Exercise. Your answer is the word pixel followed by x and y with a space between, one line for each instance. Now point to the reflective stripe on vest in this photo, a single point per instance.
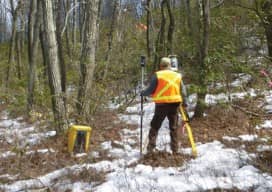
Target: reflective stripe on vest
pixel 168 87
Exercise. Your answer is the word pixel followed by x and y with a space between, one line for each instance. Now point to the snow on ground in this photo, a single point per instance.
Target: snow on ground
pixel 15 131
pixel 267 124
pixel 240 79
pixel 214 167
pixel 223 98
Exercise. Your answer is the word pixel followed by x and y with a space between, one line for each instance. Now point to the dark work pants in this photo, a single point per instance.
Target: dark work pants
pixel 169 110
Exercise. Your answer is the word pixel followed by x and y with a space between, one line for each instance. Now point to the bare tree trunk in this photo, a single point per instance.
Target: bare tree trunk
pixel 2 24
pixel 19 41
pixel 189 16
pixel 206 30
pixel 163 47
pixel 148 31
pixel 182 15
pixel 59 25
pixel 74 38
pixel 81 17
pixel 160 44
pixel 268 32
pixel 162 29
pixel 170 29
pixel 53 68
pixel 267 22
pixel 120 21
pixel 44 55
pixel 87 63
pixel 67 31
pixel 173 3
pixel 11 59
pixel 203 51
pixel 19 54
pixel 110 37
pixel 33 36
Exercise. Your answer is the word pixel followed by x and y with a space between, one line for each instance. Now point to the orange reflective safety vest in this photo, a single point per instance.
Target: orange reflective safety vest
pixel 168 88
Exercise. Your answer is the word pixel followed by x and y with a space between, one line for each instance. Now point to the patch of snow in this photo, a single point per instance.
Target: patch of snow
pixel 261 148
pixel 248 137
pixel 106 145
pixel 223 98
pixel 241 79
pixel 267 124
pixel 268 108
pixel 230 138
pixel 215 167
pixel 79 155
pixel 8 154
pixel 9 177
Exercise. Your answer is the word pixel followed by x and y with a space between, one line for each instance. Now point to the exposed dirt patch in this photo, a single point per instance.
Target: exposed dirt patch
pixel 87 175
pixel 163 159
pixel 30 165
pixel 263 161
pixel 226 121
pixel 107 127
pixel 221 121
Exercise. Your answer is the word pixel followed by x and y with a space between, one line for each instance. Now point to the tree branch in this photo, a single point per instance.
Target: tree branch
pixel 246 111
pixel 218 4
pixel 68 14
pixel 245 7
pixel 256 10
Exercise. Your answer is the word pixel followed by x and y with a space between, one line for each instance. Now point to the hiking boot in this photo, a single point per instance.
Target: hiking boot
pixel 174 151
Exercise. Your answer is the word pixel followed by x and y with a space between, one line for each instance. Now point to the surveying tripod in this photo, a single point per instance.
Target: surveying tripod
pixel 185 120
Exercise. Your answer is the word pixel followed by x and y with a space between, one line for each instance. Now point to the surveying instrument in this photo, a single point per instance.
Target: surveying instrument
pixel 174 62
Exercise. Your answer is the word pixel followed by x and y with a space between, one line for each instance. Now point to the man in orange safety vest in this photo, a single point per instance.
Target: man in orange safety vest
pixel 167 91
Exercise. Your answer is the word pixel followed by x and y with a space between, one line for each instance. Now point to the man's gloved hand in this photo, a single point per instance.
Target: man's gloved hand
pixel 142 95
pixel 184 105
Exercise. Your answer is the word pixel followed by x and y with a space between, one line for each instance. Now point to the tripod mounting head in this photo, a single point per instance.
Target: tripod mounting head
pixel 142 61
pixel 174 62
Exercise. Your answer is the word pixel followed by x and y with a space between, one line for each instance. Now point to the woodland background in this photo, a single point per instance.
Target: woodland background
pixel 65 60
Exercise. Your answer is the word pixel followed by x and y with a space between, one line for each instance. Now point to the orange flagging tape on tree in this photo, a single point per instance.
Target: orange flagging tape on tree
pixel 268 79
pixel 141 27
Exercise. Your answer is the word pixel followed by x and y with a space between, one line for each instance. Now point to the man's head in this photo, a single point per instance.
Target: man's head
pixel 165 63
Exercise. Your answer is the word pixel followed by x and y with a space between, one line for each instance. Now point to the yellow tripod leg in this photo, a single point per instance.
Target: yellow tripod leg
pixel 189 130
pixel 190 134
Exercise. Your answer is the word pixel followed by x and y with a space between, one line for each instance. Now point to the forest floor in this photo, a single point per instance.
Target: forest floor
pixel 240 118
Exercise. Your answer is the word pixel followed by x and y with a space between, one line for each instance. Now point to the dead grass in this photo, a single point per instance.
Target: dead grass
pixel 88 175
pixel 263 161
pixel 230 121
